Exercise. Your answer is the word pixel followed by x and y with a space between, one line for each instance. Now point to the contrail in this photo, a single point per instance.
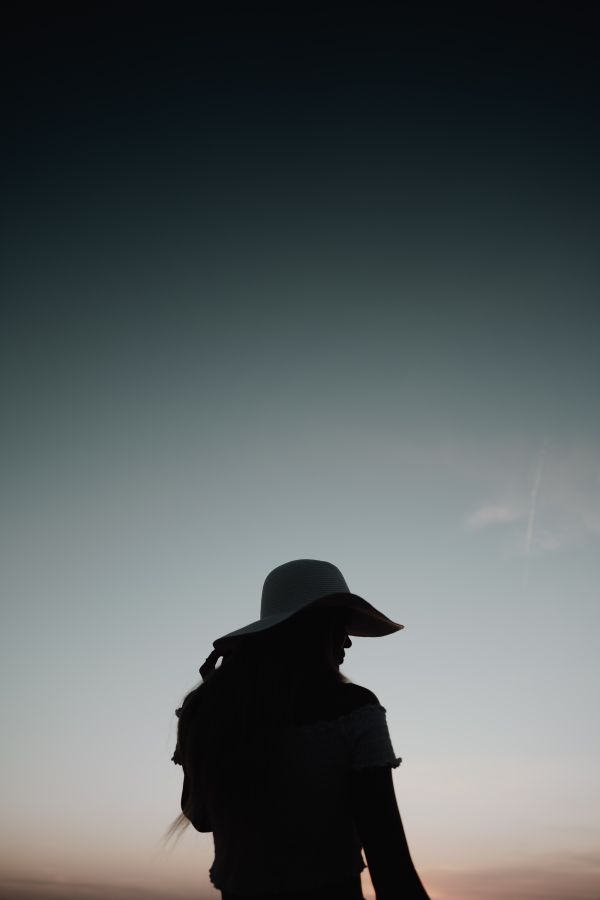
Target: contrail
pixel 535 489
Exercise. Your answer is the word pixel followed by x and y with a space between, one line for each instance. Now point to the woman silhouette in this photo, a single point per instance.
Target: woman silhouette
pixel 286 761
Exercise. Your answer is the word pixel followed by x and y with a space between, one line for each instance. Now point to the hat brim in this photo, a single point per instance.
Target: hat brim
pixel 365 621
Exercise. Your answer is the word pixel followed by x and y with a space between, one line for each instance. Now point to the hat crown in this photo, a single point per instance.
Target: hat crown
pixel 293 585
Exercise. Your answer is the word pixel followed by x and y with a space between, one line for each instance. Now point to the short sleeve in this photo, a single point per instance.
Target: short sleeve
pixel 369 738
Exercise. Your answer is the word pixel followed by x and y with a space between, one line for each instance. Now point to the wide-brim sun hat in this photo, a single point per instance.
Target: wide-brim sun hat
pixel 303 584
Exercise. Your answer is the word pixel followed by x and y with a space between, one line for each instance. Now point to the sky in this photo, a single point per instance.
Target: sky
pixel 313 286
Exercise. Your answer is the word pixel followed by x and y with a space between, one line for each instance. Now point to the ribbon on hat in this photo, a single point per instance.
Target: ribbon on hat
pixel 209 664
pixel 207 667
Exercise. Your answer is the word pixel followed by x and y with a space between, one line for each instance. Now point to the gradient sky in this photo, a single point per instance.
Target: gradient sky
pixel 320 287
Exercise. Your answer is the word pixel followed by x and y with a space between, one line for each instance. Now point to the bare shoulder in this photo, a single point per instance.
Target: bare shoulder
pixel 353 696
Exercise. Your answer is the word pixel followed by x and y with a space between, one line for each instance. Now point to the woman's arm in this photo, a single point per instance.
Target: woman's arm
pixel 381 832
pixel 197 816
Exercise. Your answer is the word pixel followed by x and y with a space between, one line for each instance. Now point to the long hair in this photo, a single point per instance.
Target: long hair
pixel 252 693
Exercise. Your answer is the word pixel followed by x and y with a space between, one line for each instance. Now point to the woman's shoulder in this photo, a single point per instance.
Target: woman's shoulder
pixel 351 696
pixel 326 704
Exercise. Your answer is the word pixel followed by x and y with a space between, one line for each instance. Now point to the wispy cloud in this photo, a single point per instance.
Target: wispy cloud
pixel 501 514
pixel 533 498
pixel 554 507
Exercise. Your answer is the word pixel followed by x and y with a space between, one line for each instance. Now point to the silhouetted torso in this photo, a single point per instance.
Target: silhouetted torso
pixel 314 794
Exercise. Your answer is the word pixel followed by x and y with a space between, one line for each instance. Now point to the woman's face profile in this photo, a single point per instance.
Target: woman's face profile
pixel 323 633
pixel 341 641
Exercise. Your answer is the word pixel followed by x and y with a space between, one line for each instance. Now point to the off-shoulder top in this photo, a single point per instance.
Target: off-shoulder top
pixel 296 832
